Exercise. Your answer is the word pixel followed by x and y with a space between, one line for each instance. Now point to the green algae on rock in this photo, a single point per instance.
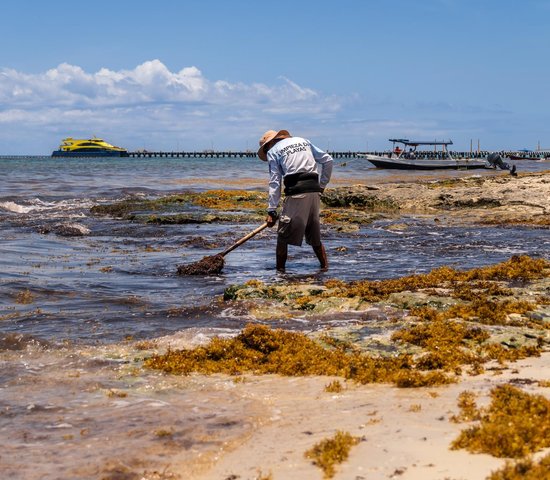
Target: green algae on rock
pixel 238 206
pixel 430 347
pixel 332 451
pixel 129 206
pixel 472 295
pixel 358 197
pixel 226 200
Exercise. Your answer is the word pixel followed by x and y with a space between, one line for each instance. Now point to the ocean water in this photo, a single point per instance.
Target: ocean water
pixel 120 279
pixel 70 304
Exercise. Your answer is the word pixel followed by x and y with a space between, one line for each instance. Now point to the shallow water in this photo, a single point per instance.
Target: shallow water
pixel 83 414
pixel 120 279
pixel 68 304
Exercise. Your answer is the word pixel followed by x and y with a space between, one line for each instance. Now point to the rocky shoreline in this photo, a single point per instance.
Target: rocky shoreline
pixel 446 340
pixel 488 200
pixel 500 199
pixel 408 377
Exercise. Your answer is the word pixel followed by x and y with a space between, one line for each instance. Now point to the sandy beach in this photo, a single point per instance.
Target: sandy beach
pixel 119 421
pixel 259 427
pixel 405 433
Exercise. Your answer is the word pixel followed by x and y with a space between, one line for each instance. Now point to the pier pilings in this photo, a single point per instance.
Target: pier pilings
pixel 221 154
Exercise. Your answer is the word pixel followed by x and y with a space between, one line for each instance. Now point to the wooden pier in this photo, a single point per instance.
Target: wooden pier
pixel 429 154
pixel 539 154
pixel 213 154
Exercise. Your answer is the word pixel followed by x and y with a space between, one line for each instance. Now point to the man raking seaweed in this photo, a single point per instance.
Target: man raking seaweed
pixel 293 162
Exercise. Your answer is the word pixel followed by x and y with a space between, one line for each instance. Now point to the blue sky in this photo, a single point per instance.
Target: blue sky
pixel 201 74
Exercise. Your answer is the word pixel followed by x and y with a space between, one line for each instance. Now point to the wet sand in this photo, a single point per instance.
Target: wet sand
pixel 104 416
pixel 406 433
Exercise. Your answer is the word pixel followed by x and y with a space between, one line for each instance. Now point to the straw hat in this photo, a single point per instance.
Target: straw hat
pixel 267 137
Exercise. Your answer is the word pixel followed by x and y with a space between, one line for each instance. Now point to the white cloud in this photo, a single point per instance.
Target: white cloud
pixel 150 82
pixel 145 102
pixel 152 107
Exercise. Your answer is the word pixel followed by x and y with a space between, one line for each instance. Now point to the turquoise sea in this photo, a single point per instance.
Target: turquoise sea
pixel 69 304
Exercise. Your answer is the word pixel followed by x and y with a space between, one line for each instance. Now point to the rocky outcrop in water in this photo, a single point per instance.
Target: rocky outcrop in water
pixel 502 198
pixel 491 199
pixel 66 229
pixel 358 196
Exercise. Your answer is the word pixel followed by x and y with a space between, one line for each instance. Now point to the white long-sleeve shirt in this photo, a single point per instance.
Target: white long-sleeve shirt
pixel 295 155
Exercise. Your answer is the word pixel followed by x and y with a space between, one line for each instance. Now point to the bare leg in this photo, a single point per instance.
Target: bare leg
pixel 322 256
pixel 282 254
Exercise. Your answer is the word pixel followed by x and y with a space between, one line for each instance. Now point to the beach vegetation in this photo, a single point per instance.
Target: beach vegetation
pixel 527 469
pixel 514 425
pixel 517 269
pixel 334 387
pixel 259 349
pixel 331 452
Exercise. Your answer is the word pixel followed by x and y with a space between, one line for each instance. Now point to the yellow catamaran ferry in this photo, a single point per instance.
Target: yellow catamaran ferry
pixel 91 147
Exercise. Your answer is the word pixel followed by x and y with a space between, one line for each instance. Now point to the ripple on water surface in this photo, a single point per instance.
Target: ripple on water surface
pixel 107 285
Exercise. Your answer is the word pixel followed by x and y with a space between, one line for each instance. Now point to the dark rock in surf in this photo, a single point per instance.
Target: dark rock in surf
pixel 70 230
pixel 65 229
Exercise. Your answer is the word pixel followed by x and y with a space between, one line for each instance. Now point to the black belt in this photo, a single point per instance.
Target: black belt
pixel 301 182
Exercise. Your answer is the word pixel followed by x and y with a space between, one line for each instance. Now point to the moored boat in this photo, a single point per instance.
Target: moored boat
pixel 403 159
pixel 527 157
pixel 92 147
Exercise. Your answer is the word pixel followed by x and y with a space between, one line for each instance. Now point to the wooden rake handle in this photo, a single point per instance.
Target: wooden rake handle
pixel 244 239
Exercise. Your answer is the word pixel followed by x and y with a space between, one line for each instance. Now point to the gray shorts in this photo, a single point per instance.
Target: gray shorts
pixel 299 218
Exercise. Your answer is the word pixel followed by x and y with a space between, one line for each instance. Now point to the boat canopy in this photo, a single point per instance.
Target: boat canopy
pixel 416 143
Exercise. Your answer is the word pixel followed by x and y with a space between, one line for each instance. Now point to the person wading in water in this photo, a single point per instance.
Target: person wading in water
pixel 293 162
